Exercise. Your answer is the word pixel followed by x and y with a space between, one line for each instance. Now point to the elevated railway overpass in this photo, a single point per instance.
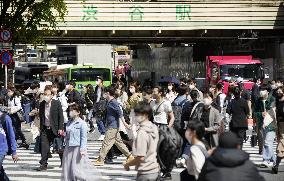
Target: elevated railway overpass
pixel 169 21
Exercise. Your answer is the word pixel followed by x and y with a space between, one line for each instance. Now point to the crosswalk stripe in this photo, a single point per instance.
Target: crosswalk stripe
pixel 24 170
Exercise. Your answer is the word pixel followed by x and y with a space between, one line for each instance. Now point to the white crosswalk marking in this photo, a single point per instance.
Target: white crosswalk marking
pixel 24 170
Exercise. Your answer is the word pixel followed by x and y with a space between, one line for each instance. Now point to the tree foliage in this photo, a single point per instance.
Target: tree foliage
pixel 30 20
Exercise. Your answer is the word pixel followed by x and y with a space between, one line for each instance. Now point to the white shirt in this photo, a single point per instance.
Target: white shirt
pixel 161 110
pixel 196 160
pixel 14 104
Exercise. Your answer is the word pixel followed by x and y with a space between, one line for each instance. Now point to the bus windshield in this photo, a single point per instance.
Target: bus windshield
pixel 247 71
pixel 89 74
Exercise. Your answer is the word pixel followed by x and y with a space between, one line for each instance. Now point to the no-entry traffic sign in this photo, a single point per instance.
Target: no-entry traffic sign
pixel 5 35
pixel 6 57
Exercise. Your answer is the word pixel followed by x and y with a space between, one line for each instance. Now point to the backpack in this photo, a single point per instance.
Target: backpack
pixel 169 147
pixel 217 102
pixel 3 123
pixel 100 109
pixel 177 110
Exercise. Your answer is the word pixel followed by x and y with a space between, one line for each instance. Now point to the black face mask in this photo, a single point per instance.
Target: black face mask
pixel 280 95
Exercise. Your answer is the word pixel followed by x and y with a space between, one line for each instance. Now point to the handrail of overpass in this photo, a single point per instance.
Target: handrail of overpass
pixel 172 15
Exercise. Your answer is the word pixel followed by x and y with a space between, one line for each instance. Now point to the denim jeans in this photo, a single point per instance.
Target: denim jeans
pixel 27 110
pixel 101 126
pixel 268 153
pixel 186 151
pixel 3 175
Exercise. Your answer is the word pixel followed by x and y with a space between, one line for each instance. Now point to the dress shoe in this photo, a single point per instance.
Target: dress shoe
pixel 275 169
pixel 42 168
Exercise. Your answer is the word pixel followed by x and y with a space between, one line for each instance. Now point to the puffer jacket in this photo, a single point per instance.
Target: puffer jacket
pixel 229 164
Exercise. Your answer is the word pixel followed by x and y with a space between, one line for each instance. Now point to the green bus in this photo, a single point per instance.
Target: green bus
pixel 82 75
pixel 87 74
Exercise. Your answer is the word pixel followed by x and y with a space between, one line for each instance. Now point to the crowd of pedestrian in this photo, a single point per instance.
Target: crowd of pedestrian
pixel 155 127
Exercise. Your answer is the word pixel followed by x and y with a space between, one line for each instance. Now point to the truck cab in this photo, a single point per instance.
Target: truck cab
pixel 228 69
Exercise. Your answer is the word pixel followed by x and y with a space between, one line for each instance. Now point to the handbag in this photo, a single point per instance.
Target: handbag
pixel 20 113
pixel 58 144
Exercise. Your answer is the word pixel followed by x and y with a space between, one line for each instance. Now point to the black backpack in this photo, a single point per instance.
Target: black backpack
pixel 169 147
pixel 177 110
pixel 3 122
pixel 217 102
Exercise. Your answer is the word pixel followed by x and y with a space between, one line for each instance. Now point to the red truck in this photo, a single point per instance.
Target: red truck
pixel 230 68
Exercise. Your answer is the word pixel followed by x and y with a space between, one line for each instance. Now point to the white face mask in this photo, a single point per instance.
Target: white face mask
pixel 46 98
pixel 132 90
pixel 170 87
pixel 207 101
pixel 263 93
pixel 104 96
pixel 191 86
pixel 72 114
pixel 273 86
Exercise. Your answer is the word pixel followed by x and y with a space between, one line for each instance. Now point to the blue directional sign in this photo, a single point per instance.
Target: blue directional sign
pixel 6 57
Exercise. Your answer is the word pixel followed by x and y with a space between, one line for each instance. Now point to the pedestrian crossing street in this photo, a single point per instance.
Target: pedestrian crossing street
pixel 24 170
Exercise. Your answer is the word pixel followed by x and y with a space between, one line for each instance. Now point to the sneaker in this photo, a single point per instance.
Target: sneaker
pixel 166 176
pixel 108 161
pixel 101 138
pixel 92 130
pixel 99 162
pixel 266 164
pixel 180 163
pixel 42 168
pixel 130 158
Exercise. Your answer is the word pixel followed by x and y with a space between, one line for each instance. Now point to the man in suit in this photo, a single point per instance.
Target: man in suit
pixel 239 110
pixel 51 124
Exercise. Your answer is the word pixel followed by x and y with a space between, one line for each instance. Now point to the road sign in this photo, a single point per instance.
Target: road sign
pixel 6 57
pixel 5 35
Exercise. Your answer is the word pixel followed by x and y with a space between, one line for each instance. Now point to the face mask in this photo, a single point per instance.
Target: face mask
pixel 263 93
pixel 273 87
pixel 10 94
pixel 191 86
pixel 170 87
pixel 72 114
pixel 132 90
pixel 278 84
pixel 46 98
pixel 207 102
pixel 97 83
pixel 104 96
pixel 3 109
pixel 188 136
pixel 67 87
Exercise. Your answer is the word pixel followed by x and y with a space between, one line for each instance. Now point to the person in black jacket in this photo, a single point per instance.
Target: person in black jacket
pixel 240 111
pixel 90 101
pixel 255 91
pixel 51 124
pixel 228 162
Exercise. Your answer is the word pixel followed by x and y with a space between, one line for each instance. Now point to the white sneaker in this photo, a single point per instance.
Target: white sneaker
pixel 267 164
pixel 101 138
